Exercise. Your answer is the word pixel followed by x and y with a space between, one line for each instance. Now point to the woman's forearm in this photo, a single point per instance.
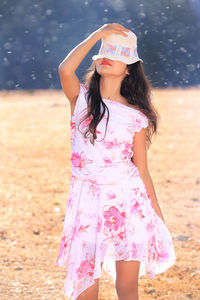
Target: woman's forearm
pixel 77 54
pixel 152 194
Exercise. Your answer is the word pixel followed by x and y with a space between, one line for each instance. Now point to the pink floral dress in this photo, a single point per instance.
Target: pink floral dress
pixel 109 215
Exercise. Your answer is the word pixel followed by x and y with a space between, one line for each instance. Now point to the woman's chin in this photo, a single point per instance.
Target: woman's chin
pixel 106 72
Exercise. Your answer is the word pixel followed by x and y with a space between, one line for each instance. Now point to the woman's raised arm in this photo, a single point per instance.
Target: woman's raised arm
pixel 69 81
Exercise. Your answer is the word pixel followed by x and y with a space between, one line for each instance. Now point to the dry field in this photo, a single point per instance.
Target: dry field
pixel 35 169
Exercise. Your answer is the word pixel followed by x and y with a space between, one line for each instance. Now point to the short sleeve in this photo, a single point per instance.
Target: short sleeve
pixel 82 92
pixel 81 103
pixel 83 88
pixel 141 121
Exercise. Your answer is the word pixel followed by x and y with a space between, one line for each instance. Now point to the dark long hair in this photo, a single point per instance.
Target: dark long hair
pixel 135 87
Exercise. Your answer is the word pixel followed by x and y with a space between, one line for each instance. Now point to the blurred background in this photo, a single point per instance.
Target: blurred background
pixel 35 149
pixel 35 36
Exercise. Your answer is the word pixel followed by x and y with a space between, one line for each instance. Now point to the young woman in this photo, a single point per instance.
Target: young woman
pixel 112 218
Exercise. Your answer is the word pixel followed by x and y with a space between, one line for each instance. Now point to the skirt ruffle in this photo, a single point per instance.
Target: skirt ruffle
pixel 105 223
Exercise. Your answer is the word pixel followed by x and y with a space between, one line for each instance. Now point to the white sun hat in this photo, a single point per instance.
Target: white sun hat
pixel 119 47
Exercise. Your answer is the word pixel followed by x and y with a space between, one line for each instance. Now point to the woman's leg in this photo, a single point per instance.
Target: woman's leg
pixel 90 293
pixel 127 279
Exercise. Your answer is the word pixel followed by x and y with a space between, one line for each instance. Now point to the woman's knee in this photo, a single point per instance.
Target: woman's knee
pixel 127 277
pixel 126 287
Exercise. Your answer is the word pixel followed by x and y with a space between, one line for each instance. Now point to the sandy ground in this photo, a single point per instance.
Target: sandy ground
pixel 35 169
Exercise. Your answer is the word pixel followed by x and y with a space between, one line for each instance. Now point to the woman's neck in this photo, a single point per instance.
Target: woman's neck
pixel 110 88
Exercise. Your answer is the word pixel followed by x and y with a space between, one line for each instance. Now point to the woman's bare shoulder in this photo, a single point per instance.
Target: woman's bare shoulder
pixel 137 107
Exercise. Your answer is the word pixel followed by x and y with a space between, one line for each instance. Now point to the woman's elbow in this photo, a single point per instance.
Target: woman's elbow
pixel 63 69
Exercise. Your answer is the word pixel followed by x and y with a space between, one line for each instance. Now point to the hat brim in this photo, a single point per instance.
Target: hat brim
pixel 126 60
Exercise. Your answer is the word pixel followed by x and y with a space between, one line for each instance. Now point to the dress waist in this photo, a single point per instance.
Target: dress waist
pixel 105 174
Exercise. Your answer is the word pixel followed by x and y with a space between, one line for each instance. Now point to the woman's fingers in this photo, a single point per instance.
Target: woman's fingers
pixel 120 32
pixel 108 29
pixel 121 27
pixel 124 28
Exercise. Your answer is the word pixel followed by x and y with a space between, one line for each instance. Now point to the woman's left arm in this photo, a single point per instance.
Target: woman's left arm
pixel 140 160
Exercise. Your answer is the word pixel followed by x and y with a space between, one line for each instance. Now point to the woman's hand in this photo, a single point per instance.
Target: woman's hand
pixel 113 28
pixel 69 81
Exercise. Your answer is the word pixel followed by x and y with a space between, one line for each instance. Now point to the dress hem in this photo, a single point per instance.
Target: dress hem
pixel 98 276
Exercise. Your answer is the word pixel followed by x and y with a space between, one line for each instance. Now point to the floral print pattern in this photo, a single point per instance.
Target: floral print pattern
pixel 79 160
pixel 109 214
pixel 113 218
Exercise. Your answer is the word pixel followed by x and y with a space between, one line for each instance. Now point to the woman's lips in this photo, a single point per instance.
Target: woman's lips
pixel 106 63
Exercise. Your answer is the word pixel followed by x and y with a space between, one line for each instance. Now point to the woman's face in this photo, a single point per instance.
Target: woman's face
pixel 105 66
